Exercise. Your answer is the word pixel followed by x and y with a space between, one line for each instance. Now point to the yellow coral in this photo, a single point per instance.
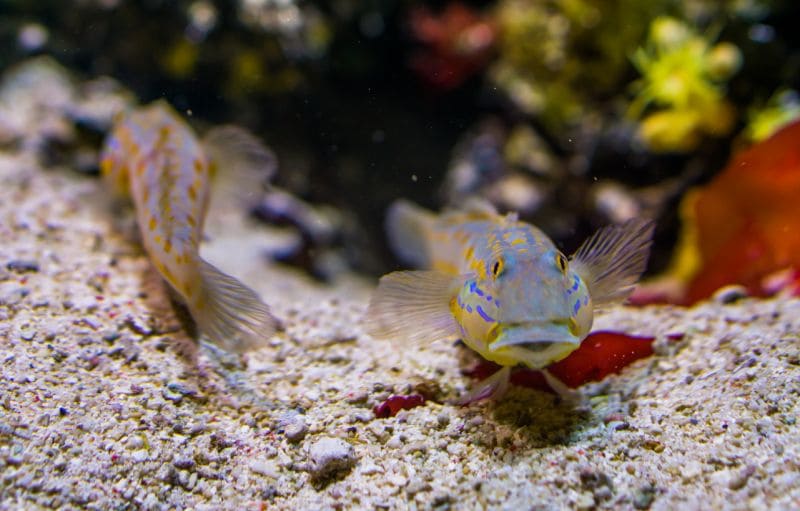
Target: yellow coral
pixel 780 110
pixel 683 85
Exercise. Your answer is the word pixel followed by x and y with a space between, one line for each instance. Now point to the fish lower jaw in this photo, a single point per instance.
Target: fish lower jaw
pixel 533 359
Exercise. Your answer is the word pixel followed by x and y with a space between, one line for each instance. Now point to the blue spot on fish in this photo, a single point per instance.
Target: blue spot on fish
pixel 469 308
pixel 488 298
pixel 586 300
pixel 576 307
pixel 575 283
pixel 483 314
pixel 473 288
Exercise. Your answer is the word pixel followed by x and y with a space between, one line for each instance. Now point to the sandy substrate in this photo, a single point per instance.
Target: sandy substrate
pixel 107 403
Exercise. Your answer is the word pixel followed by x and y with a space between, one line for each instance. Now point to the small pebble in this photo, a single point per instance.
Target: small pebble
pixel 729 294
pixel 357 397
pixel 330 457
pixel 183 463
pixel 296 430
pixel 265 468
pixel 643 497
pixel 22 266
pixel 739 479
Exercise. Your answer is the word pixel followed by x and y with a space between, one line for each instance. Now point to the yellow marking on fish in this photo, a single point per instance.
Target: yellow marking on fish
pixel 478 267
pixel 198 166
pixel 168 246
pixel 446 267
pixel 191 221
pixel 153 223
pixel 167 273
pixel 192 192
pixel 105 165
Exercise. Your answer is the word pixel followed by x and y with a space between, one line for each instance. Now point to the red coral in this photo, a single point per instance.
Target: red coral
pixel 458 43
pixel 394 404
pixel 748 218
pixel 600 354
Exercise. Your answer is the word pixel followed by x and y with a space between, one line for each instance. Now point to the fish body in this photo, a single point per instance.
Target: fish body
pixel 501 285
pixel 154 156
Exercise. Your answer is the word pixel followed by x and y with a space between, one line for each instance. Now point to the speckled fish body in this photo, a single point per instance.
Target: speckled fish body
pixel 501 285
pixel 168 176
pixel 155 157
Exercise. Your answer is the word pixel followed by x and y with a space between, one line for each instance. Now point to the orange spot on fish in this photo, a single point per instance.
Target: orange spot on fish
pixel 168 246
pixel 106 164
pixel 141 165
pixel 153 223
pixel 191 221
pixel 167 274
pixel 192 193
pixel 198 166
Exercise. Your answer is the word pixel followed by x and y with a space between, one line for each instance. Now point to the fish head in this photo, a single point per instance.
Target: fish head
pixel 540 310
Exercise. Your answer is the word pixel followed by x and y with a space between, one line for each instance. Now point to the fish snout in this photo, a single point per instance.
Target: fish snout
pixel 536 336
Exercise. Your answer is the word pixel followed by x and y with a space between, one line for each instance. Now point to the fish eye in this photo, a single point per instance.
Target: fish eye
pixel 497 268
pixel 561 262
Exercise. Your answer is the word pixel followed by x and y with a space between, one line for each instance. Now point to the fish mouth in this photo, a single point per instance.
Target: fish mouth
pixel 535 336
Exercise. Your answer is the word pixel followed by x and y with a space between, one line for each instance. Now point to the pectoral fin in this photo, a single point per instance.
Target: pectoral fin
pixel 413 306
pixel 243 163
pixel 612 260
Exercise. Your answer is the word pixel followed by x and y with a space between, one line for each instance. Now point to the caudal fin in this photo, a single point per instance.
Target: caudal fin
pixel 230 314
pixel 612 260
pixel 407 228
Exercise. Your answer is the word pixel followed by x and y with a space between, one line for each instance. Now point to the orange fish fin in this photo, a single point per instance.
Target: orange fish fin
pixel 414 306
pixel 612 260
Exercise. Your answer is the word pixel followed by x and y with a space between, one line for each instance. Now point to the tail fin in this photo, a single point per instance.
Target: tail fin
pixel 229 313
pixel 407 228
